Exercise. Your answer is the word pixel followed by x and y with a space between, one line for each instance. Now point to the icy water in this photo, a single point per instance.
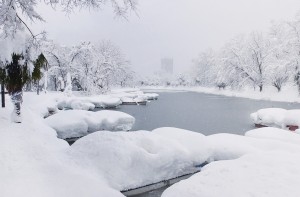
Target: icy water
pixel 204 113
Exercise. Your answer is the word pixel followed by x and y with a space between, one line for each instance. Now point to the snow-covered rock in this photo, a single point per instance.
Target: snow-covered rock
pixel 269 117
pixel 276 117
pixel 77 123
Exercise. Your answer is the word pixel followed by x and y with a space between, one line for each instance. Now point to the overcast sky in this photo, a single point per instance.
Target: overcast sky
pixel 180 29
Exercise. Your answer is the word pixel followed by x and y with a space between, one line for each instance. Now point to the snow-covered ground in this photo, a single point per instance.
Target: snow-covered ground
pixel 34 162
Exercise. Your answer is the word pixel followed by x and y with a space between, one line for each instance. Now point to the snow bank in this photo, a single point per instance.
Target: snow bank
pixel 288 93
pixel 267 174
pixel 274 134
pixel 43 104
pixel 89 103
pixel 276 117
pixel 142 157
pixel 33 162
pixel 268 157
pixel 78 123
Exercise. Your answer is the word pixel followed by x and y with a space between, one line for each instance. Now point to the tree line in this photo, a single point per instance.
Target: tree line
pixel 254 60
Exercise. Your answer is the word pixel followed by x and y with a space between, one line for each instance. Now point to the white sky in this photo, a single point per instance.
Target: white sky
pixel 167 28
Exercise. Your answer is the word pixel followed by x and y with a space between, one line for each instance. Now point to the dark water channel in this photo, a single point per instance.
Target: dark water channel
pixel 204 113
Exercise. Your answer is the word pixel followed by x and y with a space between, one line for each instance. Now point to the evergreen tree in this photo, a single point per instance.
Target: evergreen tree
pixel 39 64
pixel 17 75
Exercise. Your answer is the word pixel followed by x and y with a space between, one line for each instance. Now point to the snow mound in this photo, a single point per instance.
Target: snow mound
pixel 266 174
pixel 276 117
pixel 82 105
pixel 142 157
pixel 269 117
pixel 89 103
pixel 78 123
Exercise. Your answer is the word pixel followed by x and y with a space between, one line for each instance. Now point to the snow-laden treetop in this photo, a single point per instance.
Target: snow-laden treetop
pixel 13 12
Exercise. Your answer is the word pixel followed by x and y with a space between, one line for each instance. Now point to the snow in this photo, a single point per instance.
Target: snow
pixel 78 123
pixel 292 117
pixel 265 162
pixel 35 163
pixel 262 174
pixel 88 103
pixel 274 134
pixel 269 117
pixel 82 105
pixel 289 93
pixel 12 45
pixel 276 117
pixel 133 95
pixel 142 157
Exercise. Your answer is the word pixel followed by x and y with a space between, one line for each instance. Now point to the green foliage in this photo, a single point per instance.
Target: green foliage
pixel 16 74
pixel 41 62
pixel 2 74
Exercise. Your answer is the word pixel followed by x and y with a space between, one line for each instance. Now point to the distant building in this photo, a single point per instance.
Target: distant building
pixel 167 65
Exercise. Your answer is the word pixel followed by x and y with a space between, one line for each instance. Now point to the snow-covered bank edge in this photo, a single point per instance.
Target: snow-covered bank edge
pixel 288 94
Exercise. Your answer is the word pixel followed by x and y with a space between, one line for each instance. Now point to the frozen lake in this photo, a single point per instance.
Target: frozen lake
pixel 205 113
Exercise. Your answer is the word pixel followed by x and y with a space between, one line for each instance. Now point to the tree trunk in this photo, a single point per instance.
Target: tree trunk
pixel 3 95
pixel 38 87
pixel 17 99
pixel 260 88
pixel 55 84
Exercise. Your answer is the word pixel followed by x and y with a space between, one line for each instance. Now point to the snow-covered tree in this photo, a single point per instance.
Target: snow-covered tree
pixel 248 57
pixel 108 63
pixel 17 57
pixel 202 70
pixel 14 12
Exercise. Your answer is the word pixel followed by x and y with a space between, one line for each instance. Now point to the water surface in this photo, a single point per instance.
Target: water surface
pixel 204 113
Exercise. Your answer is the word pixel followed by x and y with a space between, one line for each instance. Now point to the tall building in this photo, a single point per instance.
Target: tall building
pixel 167 65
